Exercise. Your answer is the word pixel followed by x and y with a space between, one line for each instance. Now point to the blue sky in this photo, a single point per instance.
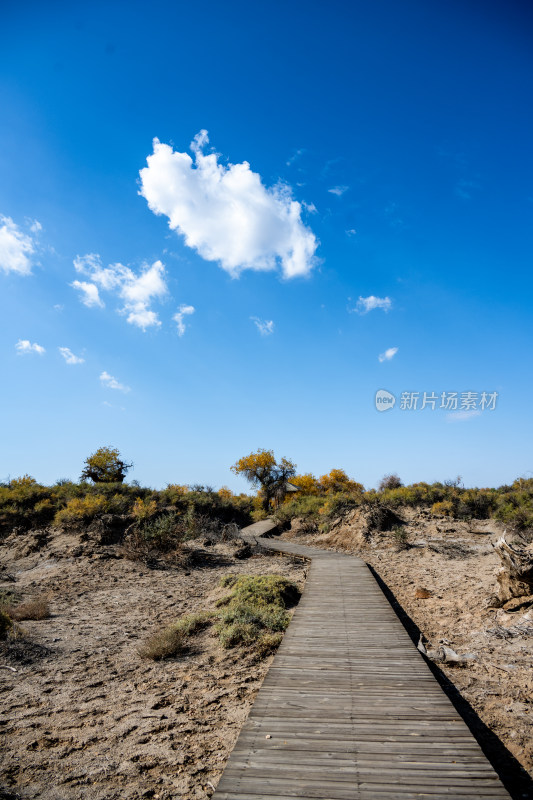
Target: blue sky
pixel 357 217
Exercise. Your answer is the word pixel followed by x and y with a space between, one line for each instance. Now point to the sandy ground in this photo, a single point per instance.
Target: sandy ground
pixel 84 716
pixel 443 583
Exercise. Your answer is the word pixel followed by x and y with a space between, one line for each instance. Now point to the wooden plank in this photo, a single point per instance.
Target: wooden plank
pixel 350 708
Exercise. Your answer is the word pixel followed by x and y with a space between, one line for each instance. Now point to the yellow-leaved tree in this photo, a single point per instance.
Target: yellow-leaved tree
pixel 264 472
pixel 105 466
pixel 338 481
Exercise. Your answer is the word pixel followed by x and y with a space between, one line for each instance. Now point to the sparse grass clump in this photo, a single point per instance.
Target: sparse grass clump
pixel 37 608
pixel 171 641
pixel 254 614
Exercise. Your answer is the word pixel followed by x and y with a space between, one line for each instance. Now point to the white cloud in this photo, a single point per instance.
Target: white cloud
pixel 351 232
pixel 366 304
pixel 25 346
pixel 178 317
pixel 89 293
pixel 388 354
pixel 16 248
pixel 338 190
pixel 136 290
pixel 112 383
pixel 264 326
pixel 462 416
pixel 225 213
pixel 69 356
pixel 35 226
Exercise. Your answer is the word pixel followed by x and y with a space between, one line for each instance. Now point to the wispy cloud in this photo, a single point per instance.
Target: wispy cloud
pixel 69 356
pixel 16 247
pixel 136 290
pixel 464 188
pixel 264 326
pixel 226 213
pixel 111 383
pixel 295 156
pixel 183 311
pixel 462 416
pixel 366 304
pixel 90 295
pixel 388 354
pixel 338 190
pixel 25 346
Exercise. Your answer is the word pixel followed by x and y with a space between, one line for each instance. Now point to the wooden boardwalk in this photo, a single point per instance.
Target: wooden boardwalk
pixel 349 710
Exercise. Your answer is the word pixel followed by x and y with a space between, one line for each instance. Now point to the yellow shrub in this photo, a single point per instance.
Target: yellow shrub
pixel 81 508
pixel 225 493
pixel 142 509
pixel 442 509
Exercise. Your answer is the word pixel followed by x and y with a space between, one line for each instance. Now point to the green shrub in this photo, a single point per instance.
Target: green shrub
pixel 255 611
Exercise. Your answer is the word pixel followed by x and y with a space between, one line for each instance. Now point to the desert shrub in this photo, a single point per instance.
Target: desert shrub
pixel 338 481
pixel 260 590
pixel 164 533
pixel 391 481
pixel 306 506
pixel 400 537
pixel 171 641
pixel 144 509
pixel 444 508
pixel 335 505
pixel 6 624
pixel 476 503
pixel 173 494
pixel 38 608
pixel 81 509
pixel 515 506
pixel 254 613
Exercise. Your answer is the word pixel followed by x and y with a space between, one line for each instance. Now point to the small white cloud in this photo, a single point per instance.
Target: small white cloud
pixel 69 356
pixel 35 226
pixel 310 208
pixel 136 290
pixel 264 326
pixel 89 294
pixel 112 383
pixel 178 317
pixel 295 156
pixel 388 354
pixel 351 232
pixel 59 307
pixel 338 190
pixel 226 213
pixel 16 248
pixel 366 304
pixel 25 346
pixel 462 416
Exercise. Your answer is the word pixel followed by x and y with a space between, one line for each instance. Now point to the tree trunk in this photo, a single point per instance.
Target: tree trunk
pixel 516 573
